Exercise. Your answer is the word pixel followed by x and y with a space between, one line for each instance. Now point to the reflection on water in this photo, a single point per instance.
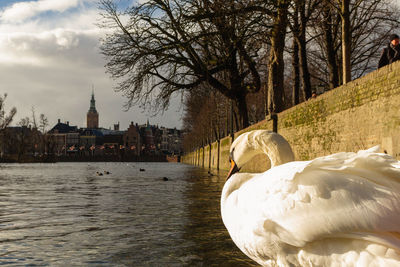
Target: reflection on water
pixel 65 214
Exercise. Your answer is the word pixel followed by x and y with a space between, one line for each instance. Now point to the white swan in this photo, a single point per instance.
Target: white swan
pixel 338 210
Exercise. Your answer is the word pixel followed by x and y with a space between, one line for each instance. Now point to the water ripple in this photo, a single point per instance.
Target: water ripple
pixel 65 215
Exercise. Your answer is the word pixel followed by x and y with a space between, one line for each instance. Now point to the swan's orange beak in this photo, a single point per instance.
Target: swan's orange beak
pixel 234 169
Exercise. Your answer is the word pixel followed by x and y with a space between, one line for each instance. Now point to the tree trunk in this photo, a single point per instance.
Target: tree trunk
pixel 346 41
pixel 305 74
pixel 296 74
pixel 295 62
pixel 276 63
pixel 330 49
pixel 243 113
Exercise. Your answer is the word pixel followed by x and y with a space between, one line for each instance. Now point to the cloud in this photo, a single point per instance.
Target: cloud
pixel 67 37
pixel 51 63
pixel 50 47
pixel 22 11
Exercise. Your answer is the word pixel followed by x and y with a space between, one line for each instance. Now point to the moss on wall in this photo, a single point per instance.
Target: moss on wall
pixel 358 115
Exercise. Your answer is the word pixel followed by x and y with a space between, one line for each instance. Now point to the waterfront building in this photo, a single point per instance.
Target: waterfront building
pixel 137 140
pixel 161 140
pixel 63 138
pixel 164 140
pixel 157 133
pixel 89 140
pixel 90 137
pixel 92 117
pixel 112 140
pixel 171 141
pixel 132 139
pixel 175 142
pixel 148 145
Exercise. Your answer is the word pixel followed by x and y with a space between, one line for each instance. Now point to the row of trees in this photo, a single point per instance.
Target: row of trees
pixel 228 57
pixel 28 136
pixel 5 118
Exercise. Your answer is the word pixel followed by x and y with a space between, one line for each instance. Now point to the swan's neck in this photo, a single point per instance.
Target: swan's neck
pixel 278 153
pixel 273 145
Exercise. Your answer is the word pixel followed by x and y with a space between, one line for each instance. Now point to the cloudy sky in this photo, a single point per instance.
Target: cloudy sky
pixel 49 60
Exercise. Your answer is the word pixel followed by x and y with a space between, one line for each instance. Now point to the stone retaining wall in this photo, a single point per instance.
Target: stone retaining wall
pixel 357 115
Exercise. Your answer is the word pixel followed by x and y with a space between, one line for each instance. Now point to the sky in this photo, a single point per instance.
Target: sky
pixel 50 60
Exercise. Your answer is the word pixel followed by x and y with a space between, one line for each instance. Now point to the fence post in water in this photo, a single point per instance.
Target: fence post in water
pixel 209 156
pixel 202 162
pixel 218 152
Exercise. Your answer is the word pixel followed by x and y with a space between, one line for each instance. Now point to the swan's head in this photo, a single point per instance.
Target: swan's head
pixel 250 144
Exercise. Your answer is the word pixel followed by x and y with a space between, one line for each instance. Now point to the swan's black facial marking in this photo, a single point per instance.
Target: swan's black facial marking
pixel 231 155
pixel 234 169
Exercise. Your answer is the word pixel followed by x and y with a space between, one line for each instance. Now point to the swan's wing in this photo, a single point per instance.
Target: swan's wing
pixel 346 194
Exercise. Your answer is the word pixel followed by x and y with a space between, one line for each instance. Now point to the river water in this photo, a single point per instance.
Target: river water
pixel 65 214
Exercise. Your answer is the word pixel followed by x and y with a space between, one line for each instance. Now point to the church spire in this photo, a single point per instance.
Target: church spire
pixel 92 103
pixel 92 117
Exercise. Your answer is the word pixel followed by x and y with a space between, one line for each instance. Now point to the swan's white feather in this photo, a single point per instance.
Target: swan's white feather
pixel 338 210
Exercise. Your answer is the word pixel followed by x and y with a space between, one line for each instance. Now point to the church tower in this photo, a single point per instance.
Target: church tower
pixel 92 117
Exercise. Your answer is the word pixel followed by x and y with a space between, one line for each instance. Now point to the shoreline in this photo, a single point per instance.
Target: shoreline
pixel 95 158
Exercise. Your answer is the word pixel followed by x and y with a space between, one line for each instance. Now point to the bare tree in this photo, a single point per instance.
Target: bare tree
pixel 295 58
pixel 5 119
pixel 358 28
pixel 342 8
pixel 302 12
pixel 346 39
pixel 330 43
pixel 276 65
pixel 22 137
pixel 372 21
pixel 34 120
pixel 25 122
pixel 43 123
pixel 161 47
pixel 205 117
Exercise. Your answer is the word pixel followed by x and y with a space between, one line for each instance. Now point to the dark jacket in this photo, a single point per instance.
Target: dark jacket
pixel 389 55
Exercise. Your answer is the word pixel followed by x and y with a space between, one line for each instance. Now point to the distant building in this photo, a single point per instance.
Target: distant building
pixel 70 141
pixel 116 127
pixel 171 141
pixel 148 142
pixel 64 138
pixel 137 140
pixel 90 137
pixel 160 140
pixel 92 117
pixel 132 139
pixel 164 140
pixel 112 140
pixel 175 142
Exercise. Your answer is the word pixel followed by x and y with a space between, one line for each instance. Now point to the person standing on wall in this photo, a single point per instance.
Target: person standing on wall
pixel 391 53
